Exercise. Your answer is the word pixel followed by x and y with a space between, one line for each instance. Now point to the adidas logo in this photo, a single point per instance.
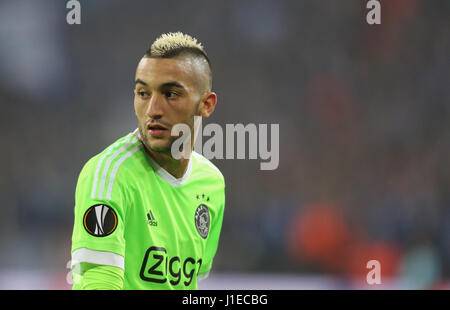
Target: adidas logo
pixel 151 219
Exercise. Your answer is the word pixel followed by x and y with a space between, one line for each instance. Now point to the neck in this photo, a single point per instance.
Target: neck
pixel 176 167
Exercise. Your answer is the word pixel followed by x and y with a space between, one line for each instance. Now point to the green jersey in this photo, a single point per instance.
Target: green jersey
pixel 132 214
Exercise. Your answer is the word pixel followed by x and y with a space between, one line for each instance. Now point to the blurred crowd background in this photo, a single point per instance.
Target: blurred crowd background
pixel 364 121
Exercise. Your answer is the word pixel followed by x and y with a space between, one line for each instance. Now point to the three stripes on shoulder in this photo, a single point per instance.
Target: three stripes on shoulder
pixel 124 149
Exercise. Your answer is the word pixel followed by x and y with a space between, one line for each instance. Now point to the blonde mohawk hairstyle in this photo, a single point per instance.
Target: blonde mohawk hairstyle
pixel 174 40
pixel 173 44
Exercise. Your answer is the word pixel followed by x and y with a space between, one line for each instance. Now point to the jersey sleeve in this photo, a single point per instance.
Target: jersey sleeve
pixel 213 238
pixel 100 211
pixel 98 277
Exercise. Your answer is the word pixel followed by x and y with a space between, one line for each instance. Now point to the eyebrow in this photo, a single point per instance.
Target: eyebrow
pixel 162 86
pixel 139 81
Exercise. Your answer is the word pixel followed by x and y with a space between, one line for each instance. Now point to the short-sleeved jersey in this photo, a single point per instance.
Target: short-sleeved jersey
pixel 132 214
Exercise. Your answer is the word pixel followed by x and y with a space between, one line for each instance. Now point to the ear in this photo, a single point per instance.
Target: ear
pixel 207 104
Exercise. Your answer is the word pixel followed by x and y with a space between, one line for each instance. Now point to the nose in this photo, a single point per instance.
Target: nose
pixel 154 109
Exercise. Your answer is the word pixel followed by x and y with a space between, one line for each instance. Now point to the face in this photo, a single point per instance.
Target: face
pixel 167 93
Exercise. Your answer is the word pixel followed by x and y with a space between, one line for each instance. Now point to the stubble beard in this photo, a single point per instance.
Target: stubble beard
pixel 146 141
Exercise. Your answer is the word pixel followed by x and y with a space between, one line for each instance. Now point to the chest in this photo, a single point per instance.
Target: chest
pixel 174 219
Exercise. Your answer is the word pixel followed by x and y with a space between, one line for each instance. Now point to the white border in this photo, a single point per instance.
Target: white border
pixel 84 255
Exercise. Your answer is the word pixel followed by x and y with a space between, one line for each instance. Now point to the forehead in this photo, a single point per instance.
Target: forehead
pixel 156 71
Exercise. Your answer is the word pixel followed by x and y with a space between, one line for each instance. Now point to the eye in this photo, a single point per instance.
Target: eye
pixel 142 94
pixel 171 94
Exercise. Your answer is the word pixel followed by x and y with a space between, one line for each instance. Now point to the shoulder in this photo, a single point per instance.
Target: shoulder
pixel 114 163
pixel 202 165
pixel 115 154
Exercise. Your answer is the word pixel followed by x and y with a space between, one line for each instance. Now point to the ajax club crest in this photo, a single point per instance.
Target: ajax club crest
pixel 202 220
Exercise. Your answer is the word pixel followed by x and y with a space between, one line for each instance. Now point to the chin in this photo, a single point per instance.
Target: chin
pixel 159 146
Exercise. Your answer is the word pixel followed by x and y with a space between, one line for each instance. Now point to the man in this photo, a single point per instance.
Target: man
pixel 143 219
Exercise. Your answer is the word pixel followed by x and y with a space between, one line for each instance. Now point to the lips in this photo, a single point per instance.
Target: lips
pixel 156 129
